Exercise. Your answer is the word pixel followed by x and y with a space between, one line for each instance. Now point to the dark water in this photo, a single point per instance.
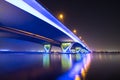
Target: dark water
pixel 41 66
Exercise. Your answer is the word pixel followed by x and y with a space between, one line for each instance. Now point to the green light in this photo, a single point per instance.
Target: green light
pixel 78 57
pixel 65 61
pixel 47 47
pixel 78 49
pixel 46 60
pixel 65 46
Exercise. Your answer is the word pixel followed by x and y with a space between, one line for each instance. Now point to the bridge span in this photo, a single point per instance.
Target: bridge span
pixel 29 20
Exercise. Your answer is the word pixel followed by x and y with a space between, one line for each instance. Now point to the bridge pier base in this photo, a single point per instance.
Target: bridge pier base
pixel 66 47
pixel 84 51
pixel 78 49
pixel 47 48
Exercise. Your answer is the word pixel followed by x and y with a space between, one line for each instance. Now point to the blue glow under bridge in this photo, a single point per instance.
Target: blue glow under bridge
pixel 29 20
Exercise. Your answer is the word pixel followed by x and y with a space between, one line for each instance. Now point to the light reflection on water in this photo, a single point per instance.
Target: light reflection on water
pixel 79 69
pixel 25 66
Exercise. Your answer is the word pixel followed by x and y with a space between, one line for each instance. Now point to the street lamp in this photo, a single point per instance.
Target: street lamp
pixel 61 17
pixel 80 37
pixel 75 31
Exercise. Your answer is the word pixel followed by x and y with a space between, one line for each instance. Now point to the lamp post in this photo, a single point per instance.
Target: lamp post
pixel 61 17
pixel 74 31
pixel 80 37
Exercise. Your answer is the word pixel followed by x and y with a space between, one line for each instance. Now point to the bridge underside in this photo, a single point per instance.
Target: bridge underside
pixel 14 17
pixel 69 48
pixel 24 26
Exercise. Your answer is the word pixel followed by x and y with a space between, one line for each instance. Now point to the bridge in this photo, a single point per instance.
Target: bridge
pixel 29 20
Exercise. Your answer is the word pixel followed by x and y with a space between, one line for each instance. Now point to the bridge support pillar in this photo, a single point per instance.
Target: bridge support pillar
pixel 84 51
pixel 66 47
pixel 47 48
pixel 78 49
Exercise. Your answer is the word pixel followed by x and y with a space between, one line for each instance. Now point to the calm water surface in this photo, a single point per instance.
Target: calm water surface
pixel 41 66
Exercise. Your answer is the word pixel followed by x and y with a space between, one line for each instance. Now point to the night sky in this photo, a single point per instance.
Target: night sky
pixel 97 21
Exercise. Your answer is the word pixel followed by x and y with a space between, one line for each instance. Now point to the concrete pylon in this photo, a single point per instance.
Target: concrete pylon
pixel 47 48
pixel 84 51
pixel 78 49
pixel 66 47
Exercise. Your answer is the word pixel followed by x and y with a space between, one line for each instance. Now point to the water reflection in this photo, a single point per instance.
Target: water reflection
pixel 46 60
pixel 25 66
pixel 66 61
pixel 79 69
pixel 104 66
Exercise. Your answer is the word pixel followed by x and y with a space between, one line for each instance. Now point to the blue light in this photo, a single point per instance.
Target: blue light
pixel 77 68
pixel 34 8
pixel 5 50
